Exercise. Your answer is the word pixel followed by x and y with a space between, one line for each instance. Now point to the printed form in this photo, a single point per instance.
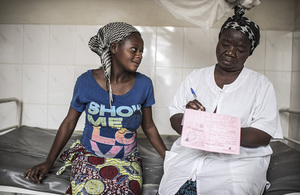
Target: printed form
pixel 211 132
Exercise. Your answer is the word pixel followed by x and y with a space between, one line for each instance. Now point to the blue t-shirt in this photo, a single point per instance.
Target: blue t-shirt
pixel 111 132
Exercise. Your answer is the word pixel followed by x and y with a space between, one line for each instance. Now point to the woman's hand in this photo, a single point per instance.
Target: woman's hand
pixel 195 105
pixel 37 173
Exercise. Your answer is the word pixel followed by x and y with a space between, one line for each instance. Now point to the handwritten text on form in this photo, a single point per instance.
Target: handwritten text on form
pixel 211 132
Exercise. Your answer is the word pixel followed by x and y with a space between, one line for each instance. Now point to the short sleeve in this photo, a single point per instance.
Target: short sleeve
pixel 180 98
pixel 149 93
pixel 76 101
pixel 266 115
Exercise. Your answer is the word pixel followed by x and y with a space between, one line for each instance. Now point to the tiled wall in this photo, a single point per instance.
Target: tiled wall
pixel 40 63
pixel 294 131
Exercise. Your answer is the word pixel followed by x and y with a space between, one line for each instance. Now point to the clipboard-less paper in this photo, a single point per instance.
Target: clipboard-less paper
pixel 211 132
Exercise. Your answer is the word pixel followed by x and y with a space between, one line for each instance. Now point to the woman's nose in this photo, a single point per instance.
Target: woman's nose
pixel 139 55
pixel 230 51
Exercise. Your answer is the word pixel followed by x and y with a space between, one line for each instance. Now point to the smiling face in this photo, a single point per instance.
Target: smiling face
pixel 232 51
pixel 128 53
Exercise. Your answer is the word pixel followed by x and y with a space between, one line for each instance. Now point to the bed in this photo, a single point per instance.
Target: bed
pixel 23 146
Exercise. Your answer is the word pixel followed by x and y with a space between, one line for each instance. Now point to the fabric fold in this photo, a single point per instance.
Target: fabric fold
pixel 204 13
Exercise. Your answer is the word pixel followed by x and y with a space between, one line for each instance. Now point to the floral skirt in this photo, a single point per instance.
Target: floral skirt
pixel 91 174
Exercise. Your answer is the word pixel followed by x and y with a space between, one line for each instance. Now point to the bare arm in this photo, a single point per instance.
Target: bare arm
pixel 175 121
pixel 151 132
pixel 252 138
pixel 38 172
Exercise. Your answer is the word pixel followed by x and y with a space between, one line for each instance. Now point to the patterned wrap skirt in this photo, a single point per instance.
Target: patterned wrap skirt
pixel 91 174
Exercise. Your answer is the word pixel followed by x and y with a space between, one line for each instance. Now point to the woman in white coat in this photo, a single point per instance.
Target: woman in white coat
pixel 231 89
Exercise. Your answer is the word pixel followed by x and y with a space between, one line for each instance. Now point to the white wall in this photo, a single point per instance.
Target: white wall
pixel 40 57
pixel 294 130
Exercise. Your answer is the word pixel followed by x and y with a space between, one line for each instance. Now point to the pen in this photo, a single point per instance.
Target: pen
pixel 194 94
pixel 195 97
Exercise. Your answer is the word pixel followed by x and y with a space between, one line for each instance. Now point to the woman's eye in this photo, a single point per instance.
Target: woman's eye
pixel 134 49
pixel 225 45
pixel 241 50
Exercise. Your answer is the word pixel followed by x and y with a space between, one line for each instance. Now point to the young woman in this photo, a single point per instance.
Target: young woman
pixel 117 100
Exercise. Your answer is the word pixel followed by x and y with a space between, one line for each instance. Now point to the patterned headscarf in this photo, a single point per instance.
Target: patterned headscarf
pixel 244 25
pixel 100 43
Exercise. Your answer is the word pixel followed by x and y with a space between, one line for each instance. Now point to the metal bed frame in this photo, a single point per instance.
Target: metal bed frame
pixel 13 189
pixel 289 141
pixel 19 112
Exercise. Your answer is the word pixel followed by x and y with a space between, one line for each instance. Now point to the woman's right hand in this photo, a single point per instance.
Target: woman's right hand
pixel 37 173
pixel 195 105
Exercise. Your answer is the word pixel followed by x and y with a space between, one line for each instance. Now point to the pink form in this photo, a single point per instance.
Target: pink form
pixel 211 132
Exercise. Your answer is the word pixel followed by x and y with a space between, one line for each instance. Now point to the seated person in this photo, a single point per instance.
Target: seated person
pixel 231 89
pixel 117 100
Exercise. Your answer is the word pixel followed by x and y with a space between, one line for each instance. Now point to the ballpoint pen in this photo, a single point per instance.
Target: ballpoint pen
pixel 194 94
pixel 195 97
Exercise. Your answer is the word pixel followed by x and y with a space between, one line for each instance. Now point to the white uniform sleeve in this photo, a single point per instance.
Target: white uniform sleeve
pixel 266 116
pixel 181 98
